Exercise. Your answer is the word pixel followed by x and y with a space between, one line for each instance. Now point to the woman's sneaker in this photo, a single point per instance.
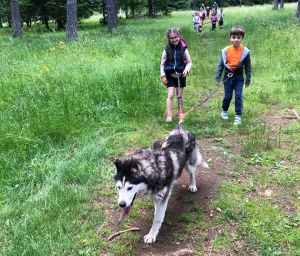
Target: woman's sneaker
pixel 237 120
pixel 224 114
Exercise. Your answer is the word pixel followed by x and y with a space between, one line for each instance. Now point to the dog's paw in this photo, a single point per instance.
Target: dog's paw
pixel 192 189
pixel 149 239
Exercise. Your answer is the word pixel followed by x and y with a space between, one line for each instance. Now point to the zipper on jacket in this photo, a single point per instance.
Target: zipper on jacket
pixel 175 59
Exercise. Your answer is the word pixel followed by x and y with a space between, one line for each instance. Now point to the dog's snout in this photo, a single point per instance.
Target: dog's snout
pixel 122 204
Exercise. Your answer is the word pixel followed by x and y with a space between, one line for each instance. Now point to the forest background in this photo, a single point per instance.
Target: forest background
pixel 55 10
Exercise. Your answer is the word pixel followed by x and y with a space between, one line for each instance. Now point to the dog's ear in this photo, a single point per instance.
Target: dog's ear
pixel 136 169
pixel 118 164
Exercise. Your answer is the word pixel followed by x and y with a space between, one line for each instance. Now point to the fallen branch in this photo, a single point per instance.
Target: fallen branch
pixel 289 117
pixel 100 228
pixel 283 117
pixel 123 231
pixel 276 117
pixel 295 113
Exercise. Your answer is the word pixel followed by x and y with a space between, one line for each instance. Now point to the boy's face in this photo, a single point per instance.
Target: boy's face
pixel 236 40
pixel 174 38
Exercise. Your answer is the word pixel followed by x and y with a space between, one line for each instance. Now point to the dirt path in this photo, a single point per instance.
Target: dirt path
pixel 182 201
pixel 173 239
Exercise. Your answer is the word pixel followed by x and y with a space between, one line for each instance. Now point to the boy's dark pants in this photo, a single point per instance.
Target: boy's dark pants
pixel 236 84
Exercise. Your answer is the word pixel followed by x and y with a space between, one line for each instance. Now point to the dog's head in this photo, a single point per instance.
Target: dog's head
pixel 129 181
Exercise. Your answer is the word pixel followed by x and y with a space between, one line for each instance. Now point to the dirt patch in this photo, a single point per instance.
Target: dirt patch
pixel 173 239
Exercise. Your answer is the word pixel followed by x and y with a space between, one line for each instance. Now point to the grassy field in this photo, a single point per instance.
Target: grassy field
pixel 68 109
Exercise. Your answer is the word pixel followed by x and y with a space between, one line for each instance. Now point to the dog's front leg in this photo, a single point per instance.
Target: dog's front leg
pixel 159 215
pixel 157 221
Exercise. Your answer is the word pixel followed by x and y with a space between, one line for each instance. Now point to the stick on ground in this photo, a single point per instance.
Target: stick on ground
pixel 289 117
pixel 295 113
pixel 123 231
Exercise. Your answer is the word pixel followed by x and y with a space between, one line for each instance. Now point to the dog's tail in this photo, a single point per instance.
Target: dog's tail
pixel 201 161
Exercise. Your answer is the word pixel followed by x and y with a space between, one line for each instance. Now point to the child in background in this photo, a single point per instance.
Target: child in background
pixel 215 7
pixel 221 18
pixel 202 18
pixel 214 20
pixel 196 20
pixel 175 61
pixel 207 11
pixel 234 59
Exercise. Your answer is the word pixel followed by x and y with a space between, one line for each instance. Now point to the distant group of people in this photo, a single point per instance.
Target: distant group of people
pixel 198 19
pixel 215 18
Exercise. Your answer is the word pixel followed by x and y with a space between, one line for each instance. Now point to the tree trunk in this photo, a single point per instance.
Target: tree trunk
pixel 16 19
pixel 103 8
pixel 71 20
pixel 275 5
pixel 150 8
pixel 112 14
pixel 116 9
pixel 46 22
pixel 281 4
pixel 59 20
pixel 297 14
pixel 60 24
pixel 126 11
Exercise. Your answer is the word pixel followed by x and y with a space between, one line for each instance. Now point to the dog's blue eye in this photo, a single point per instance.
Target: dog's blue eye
pixel 129 188
pixel 119 187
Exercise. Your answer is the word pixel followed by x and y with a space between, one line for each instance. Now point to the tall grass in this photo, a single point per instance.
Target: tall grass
pixel 67 109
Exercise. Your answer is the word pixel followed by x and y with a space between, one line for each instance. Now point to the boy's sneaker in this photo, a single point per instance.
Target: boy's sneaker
pixel 237 120
pixel 224 114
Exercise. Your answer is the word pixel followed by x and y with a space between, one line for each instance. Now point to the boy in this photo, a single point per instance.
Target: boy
pixel 221 18
pixel 234 59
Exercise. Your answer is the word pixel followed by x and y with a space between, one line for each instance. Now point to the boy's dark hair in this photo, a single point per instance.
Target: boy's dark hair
pixel 237 31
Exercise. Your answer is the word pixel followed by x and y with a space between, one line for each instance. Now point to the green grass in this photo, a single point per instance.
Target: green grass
pixel 68 109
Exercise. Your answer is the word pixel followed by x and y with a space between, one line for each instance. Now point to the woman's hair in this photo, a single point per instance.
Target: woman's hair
pixel 178 33
pixel 237 31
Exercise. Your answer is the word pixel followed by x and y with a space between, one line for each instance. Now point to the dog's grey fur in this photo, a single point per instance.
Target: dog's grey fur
pixel 154 171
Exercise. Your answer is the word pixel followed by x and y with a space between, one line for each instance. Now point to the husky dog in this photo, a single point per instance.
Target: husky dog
pixel 154 171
